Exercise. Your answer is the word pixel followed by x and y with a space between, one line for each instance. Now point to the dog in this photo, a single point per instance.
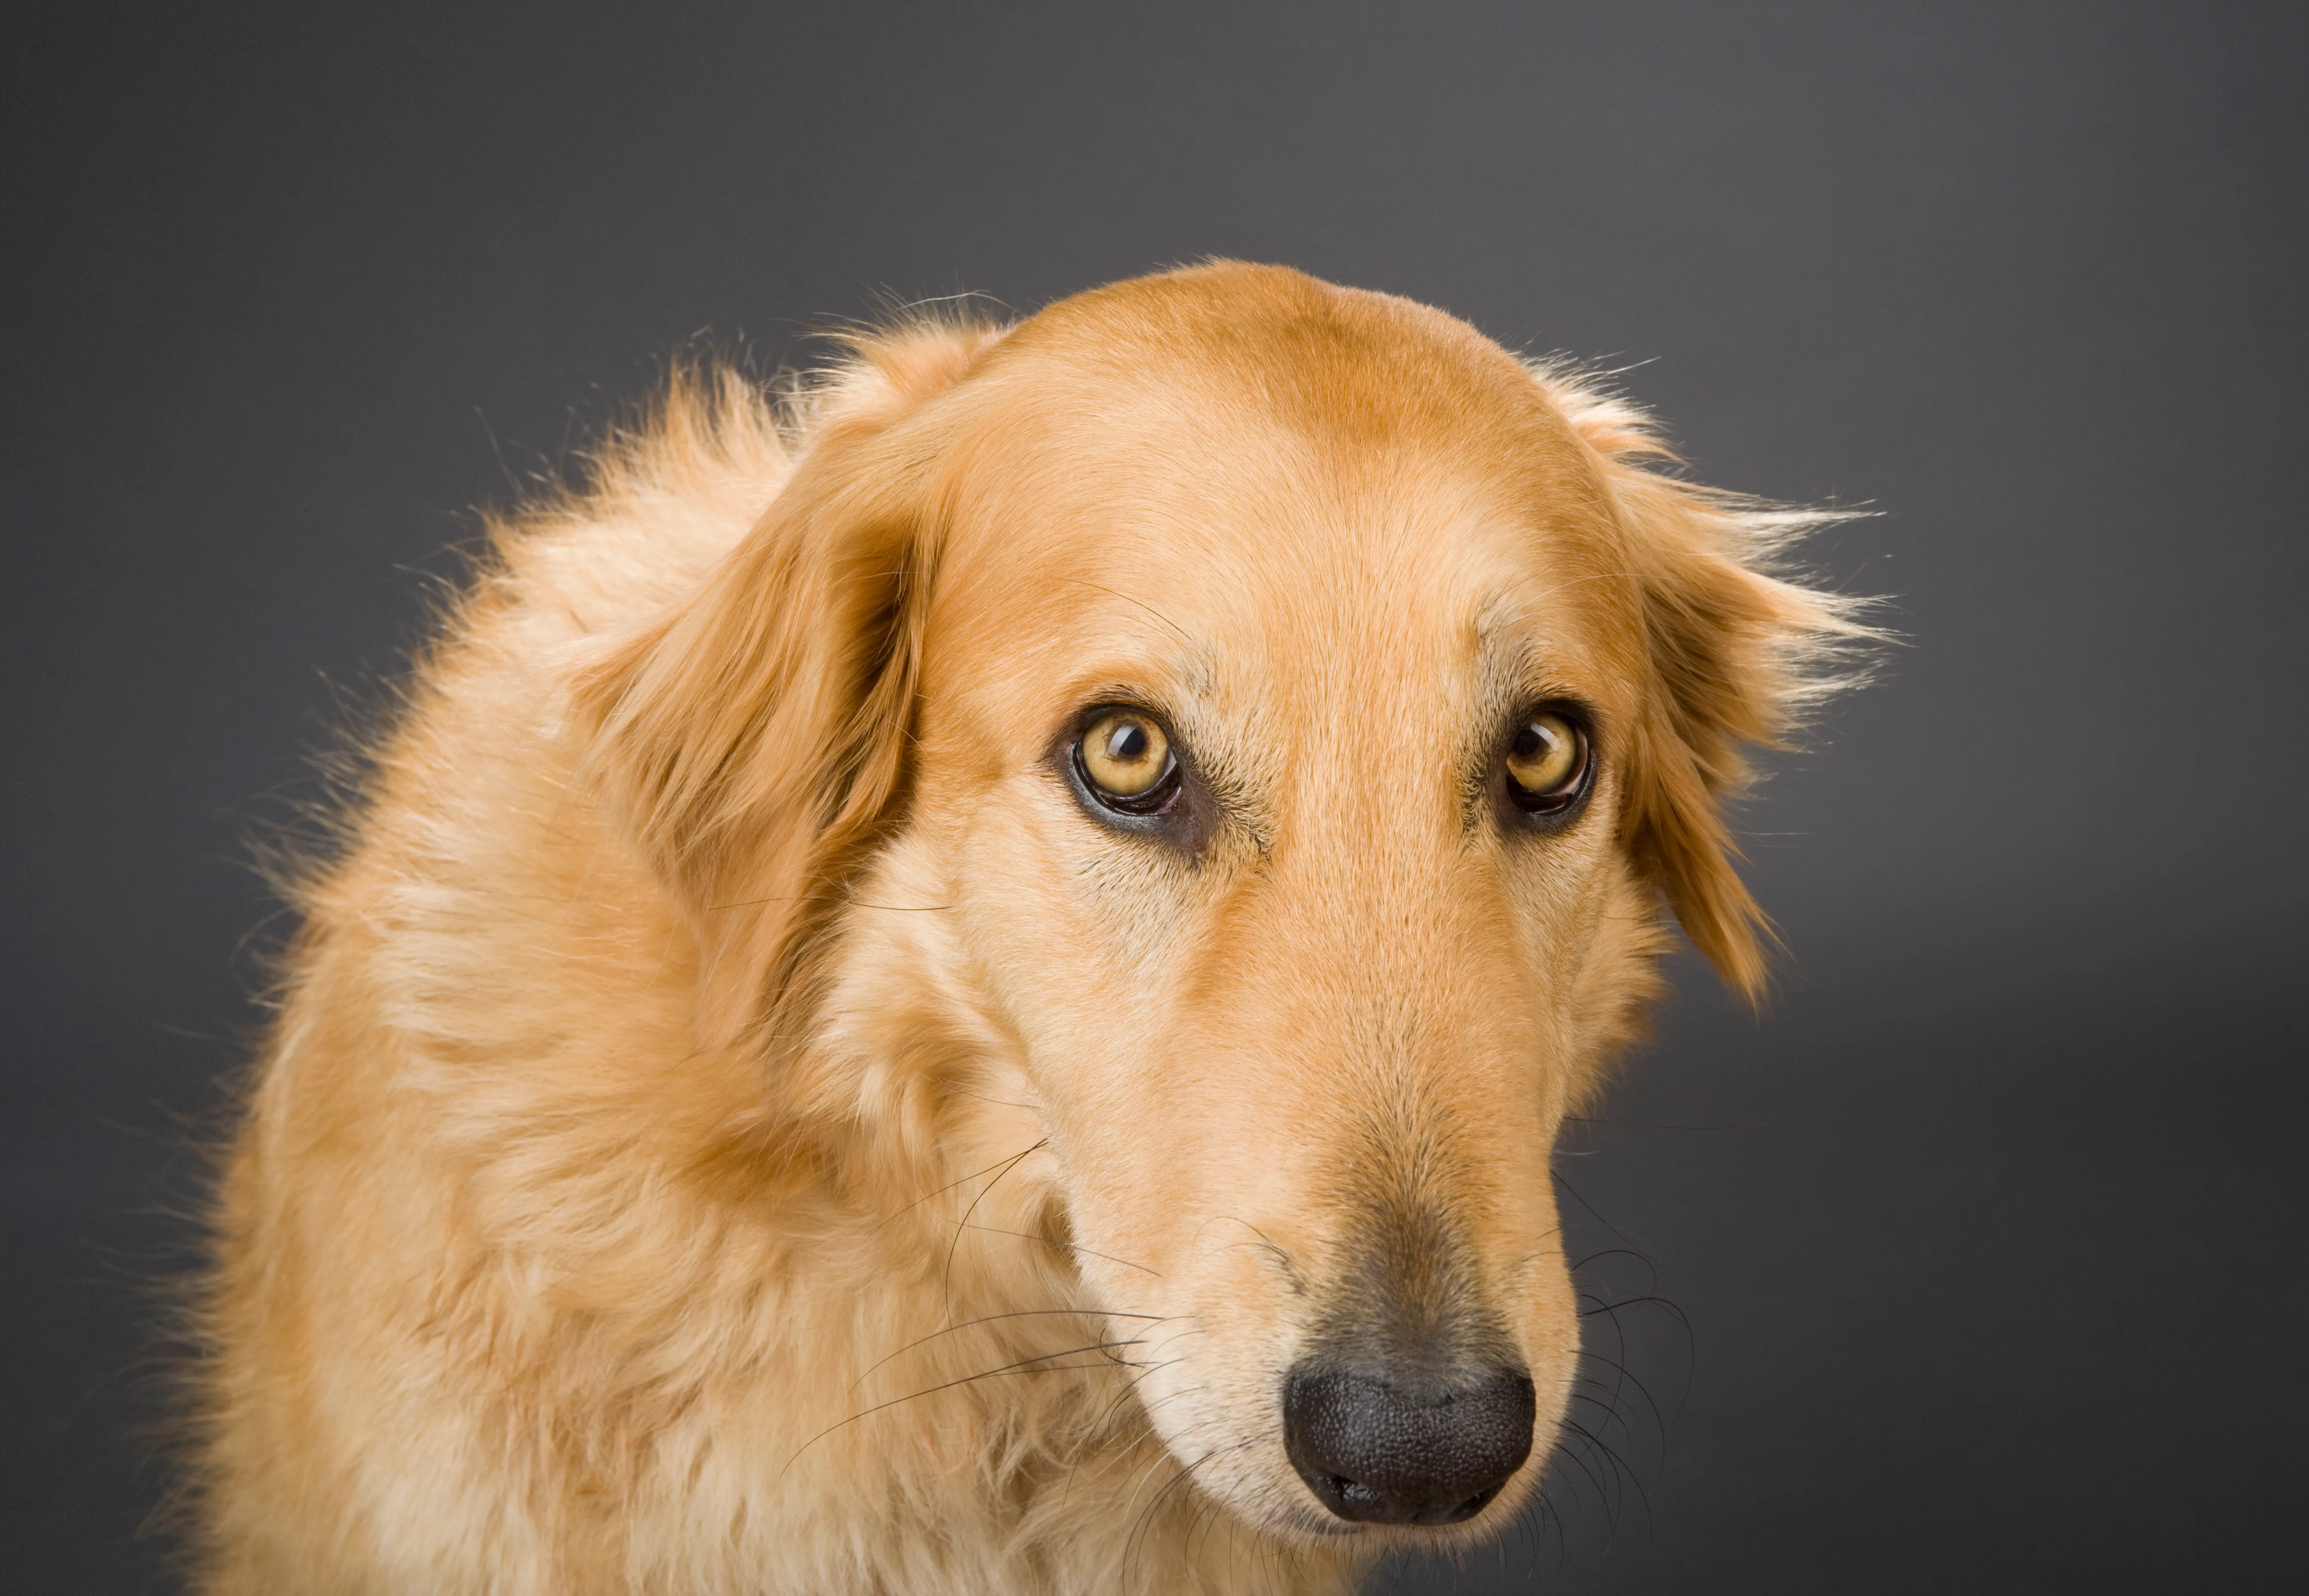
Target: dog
pixel 960 977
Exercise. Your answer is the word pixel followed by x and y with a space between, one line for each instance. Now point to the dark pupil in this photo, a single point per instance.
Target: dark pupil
pixel 1530 741
pixel 1127 743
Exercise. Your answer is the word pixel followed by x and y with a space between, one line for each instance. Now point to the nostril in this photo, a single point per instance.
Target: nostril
pixel 1377 1453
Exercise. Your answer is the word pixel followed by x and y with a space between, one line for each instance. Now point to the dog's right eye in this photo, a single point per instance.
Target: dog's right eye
pixel 1124 758
pixel 1547 768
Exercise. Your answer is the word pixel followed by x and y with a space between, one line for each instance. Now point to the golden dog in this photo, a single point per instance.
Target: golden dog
pixel 962 979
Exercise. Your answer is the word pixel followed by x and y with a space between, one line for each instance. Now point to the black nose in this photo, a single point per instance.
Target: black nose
pixel 1385 1454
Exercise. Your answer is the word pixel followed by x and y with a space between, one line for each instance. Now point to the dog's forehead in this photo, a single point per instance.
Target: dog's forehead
pixel 1193 355
pixel 1327 496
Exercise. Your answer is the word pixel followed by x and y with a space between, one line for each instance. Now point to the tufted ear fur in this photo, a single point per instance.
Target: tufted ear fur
pixel 1737 652
pixel 751 738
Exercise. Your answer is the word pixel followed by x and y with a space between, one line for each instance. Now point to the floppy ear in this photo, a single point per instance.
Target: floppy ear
pixel 1737 653
pixel 750 740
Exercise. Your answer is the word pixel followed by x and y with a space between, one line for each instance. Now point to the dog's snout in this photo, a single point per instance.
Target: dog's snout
pixel 1380 1453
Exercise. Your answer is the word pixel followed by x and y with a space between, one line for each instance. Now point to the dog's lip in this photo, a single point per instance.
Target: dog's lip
pixel 1483 1526
pixel 1327 1528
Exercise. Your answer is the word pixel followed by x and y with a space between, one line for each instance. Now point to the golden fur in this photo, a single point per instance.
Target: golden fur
pixel 735 1123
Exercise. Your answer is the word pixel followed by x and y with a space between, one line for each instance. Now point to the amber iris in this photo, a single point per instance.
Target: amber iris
pixel 1126 755
pixel 1547 761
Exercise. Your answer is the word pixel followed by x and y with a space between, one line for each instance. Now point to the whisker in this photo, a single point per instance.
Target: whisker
pixel 1619 1468
pixel 1626 1375
pixel 1130 1386
pixel 945 1281
pixel 1025 1313
pixel 974 1174
pixel 1052 1241
pixel 1146 1436
pixel 1621 1252
pixel 1642 1300
pixel 1602 1496
pixel 1160 1451
pixel 1145 1520
pixel 1023 1365
pixel 842 898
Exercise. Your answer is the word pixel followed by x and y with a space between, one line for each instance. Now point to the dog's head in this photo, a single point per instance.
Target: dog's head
pixel 1248 732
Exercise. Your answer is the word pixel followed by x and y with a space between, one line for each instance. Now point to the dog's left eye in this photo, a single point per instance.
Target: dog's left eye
pixel 1125 760
pixel 1548 764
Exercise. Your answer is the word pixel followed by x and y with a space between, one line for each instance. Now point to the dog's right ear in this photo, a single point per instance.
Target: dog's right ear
pixel 750 740
pixel 1737 652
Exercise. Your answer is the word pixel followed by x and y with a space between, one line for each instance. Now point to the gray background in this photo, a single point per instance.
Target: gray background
pixel 1986 1244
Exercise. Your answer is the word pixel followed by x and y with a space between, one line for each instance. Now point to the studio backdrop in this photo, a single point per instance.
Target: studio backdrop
pixel 1970 1265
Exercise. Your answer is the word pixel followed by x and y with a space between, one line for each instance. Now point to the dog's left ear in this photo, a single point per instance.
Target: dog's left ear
pixel 750 740
pixel 1737 652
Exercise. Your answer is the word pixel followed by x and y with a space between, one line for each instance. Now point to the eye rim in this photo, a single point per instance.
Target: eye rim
pixel 1555 808
pixel 1159 798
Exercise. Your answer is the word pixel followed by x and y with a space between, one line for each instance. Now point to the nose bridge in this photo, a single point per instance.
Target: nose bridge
pixel 1399 930
pixel 1378 952
pixel 1412 1027
pixel 1370 870
pixel 1407 1299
